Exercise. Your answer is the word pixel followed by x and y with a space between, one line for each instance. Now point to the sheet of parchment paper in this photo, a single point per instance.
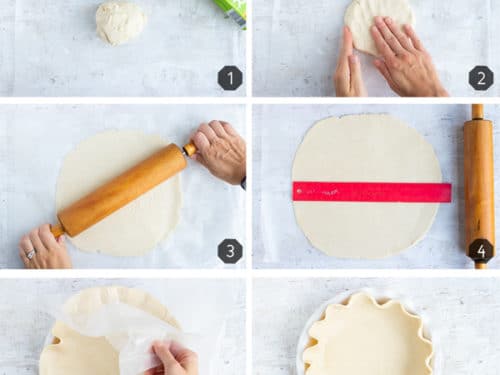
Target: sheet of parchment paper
pixel 223 304
pixel 49 48
pixel 37 137
pixel 277 239
pixel 456 313
pixel 296 45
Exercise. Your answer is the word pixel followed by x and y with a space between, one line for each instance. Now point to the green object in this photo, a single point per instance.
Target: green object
pixel 235 9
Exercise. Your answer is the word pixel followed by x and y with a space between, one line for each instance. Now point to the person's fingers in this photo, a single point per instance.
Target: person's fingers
pixel 402 38
pixel 25 247
pixel 415 41
pixel 39 247
pixel 48 239
pixel 25 244
pixel 162 350
pixel 155 371
pixel 200 159
pixel 201 141
pixel 61 240
pixel 179 350
pixel 187 358
pixel 341 78
pixel 36 241
pixel 384 70
pixel 208 131
pixel 382 46
pixel 24 258
pixel 229 128
pixel 388 36
pixel 218 128
pixel 347 47
pixel 355 68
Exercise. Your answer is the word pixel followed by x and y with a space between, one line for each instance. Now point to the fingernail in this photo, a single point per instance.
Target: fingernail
pixel 388 19
pixel 378 19
pixel 353 59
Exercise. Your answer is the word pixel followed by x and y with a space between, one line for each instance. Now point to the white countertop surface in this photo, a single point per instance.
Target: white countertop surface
pixel 34 140
pixel 458 313
pixel 50 48
pixel 24 334
pixel 296 45
pixel 278 131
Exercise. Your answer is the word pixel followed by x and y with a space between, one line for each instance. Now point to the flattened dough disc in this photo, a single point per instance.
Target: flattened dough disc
pixel 364 148
pixel 72 353
pixel 142 224
pixel 360 15
pixel 365 337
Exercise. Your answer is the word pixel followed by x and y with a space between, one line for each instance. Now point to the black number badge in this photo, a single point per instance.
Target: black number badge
pixel 230 251
pixel 230 78
pixel 481 78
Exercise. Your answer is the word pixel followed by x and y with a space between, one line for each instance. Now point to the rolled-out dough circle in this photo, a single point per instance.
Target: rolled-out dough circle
pixel 364 148
pixel 360 15
pixel 364 336
pixel 119 21
pixel 139 226
pixel 72 353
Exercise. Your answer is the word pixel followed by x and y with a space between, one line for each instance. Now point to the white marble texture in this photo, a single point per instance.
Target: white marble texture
pixel 458 313
pixel 278 131
pixel 50 48
pixel 35 138
pixel 24 334
pixel 296 45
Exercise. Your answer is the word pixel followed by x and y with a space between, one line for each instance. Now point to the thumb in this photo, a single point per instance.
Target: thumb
pixel 356 75
pixel 200 159
pixel 61 239
pixel 162 350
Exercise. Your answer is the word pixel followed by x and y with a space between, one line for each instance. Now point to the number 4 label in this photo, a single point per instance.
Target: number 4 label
pixel 482 251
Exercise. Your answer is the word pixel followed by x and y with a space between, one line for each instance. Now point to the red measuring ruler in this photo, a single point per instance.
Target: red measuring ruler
pixel 401 192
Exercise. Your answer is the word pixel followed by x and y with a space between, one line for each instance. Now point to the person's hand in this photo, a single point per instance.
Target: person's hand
pixel 221 150
pixel 44 250
pixel 347 79
pixel 176 360
pixel 404 62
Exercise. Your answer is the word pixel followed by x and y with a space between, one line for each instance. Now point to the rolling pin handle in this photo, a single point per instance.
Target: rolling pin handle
pixel 190 149
pixel 57 230
pixel 481 265
pixel 477 111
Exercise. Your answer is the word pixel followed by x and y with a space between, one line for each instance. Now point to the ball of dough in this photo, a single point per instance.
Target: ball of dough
pixel 360 18
pixel 119 21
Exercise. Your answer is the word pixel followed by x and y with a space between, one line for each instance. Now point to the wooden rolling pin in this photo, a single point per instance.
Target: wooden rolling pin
pixel 479 188
pixel 122 190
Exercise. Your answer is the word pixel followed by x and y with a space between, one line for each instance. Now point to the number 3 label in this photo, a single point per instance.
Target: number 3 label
pixel 230 251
